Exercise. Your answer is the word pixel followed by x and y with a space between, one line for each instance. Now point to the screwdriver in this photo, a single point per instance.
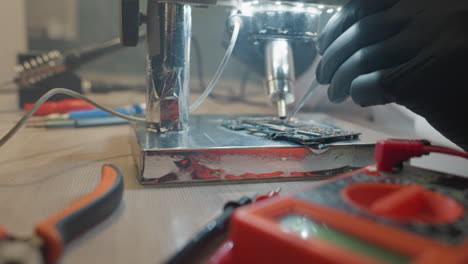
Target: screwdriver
pixel 79 123
pixel 135 109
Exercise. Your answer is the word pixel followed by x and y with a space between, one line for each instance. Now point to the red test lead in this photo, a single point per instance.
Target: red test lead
pixel 391 153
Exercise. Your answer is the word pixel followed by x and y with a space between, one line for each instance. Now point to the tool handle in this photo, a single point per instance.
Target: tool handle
pixel 103 121
pixel 60 107
pixel 74 115
pixel 69 105
pixel 58 230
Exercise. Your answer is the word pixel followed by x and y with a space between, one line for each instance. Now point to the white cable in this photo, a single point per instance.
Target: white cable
pixel 47 96
pixel 222 65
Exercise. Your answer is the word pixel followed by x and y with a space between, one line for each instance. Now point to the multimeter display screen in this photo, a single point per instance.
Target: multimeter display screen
pixel 308 229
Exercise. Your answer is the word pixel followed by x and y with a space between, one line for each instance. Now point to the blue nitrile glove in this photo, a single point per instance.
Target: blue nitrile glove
pixel 412 52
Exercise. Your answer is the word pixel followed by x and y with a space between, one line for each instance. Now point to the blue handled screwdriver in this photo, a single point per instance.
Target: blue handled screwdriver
pixel 136 109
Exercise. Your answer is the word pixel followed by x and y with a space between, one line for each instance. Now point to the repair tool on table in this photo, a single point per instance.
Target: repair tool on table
pixel 80 123
pixel 54 233
pixel 177 147
pixel 213 232
pixel 55 62
pixel 136 109
pixel 59 107
pixel 84 118
pixel 390 212
pixel 39 73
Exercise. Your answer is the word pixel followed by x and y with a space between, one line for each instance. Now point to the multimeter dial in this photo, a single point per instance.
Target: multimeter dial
pixel 430 219
pixel 403 203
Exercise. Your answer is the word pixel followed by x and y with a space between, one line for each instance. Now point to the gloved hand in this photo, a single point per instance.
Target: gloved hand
pixel 412 52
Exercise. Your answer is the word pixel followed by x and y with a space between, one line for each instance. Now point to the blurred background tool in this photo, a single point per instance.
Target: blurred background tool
pixel 38 73
pixel 136 109
pixel 78 123
pixel 61 107
pixel 53 234
pixel 39 68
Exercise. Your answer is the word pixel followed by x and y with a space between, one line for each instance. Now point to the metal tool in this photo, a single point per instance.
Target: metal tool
pixel 136 109
pixel 56 232
pixel 80 123
pixel 280 76
pixel 276 28
pixel 55 62
pixel 60 107
pixel 303 100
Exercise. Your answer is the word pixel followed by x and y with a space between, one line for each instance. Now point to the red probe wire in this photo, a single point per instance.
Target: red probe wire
pixel 390 153
pixel 446 151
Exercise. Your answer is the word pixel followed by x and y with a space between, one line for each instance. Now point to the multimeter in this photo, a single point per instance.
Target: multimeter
pixel 411 215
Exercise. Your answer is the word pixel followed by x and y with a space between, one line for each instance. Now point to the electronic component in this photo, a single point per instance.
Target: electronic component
pixel 309 133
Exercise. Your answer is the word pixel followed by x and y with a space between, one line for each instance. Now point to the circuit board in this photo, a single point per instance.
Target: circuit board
pixel 309 133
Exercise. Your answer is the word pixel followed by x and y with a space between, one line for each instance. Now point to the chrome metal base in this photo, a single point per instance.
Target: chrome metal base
pixel 210 153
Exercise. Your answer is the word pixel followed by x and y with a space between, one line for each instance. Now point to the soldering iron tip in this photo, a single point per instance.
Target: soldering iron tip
pixel 281 109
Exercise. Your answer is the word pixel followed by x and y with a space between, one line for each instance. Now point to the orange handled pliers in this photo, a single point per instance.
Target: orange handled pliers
pixel 53 234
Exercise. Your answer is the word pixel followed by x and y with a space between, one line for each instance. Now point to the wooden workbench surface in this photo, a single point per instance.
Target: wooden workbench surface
pixel 42 171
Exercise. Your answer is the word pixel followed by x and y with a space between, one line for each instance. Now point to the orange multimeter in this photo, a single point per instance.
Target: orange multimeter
pixel 367 216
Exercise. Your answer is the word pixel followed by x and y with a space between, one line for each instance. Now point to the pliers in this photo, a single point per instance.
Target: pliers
pixel 56 232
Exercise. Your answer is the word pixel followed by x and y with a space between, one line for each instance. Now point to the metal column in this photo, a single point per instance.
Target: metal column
pixel 169 32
